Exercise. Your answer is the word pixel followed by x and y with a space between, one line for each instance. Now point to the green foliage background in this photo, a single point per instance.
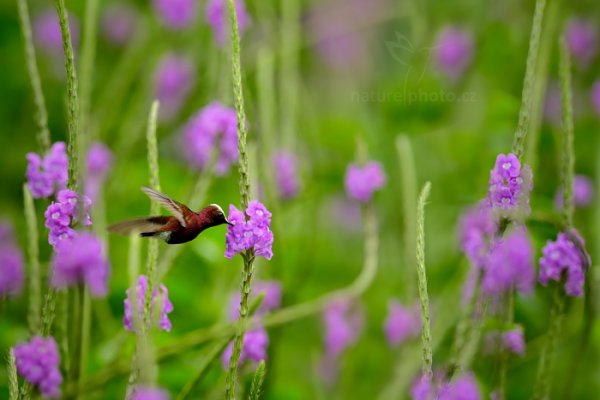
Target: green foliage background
pixel 316 251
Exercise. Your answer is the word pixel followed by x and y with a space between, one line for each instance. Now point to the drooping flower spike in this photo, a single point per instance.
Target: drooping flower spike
pixel 583 193
pixel 453 52
pixel 286 174
pixel 12 275
pixel 150 393
pixel 462 388
pixel 99 163
pixel 118 23
pixel 477 228
pixel 565 257
pixel 401 323
pixel 509 264
pixel 173 81
pixel 80 260
pixel 48 175
pixel 362 182
pixel 581 36
pixel 160 298
pixel 38 361
pixel 212 129
pixel 176 14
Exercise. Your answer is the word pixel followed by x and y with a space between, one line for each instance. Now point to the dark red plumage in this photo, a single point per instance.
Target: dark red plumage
pixel 185 225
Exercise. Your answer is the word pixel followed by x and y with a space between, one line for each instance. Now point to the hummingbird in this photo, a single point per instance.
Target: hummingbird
pixel 183 226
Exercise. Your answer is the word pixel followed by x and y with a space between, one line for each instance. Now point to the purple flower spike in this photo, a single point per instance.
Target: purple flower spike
pixel 286 174
pixel 254 348
pixel 253 233
pixel 454 52
pixel 150 393
pixel 213 128
pixel 166 307
pixel 510 186
pixel 362 182
pixel 11 263
pixel 48 175
pixel 99 163
pixel 119 23
pixel 46 31
pixel 462 388
pixel 176 14
pixel 477 229
pixel 563 257
pixel 596 97
pixel 583 193
pixel 80 260
pixel 510 264
pixel 62 215
pixel 343 321
pixel 581 40
pixel 38 362
pixel 217 16
pixel 422 389
pixel 174 79
pixel 271 301
pixel 401 323
pixel 514 341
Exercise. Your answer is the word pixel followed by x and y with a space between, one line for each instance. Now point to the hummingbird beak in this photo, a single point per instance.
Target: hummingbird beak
pixel 227 222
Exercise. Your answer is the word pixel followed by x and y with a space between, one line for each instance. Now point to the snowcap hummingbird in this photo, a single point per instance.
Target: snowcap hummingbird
pixel 185 225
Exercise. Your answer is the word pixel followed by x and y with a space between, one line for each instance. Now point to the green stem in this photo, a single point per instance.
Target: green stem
pixel 257 381
pixel 265 70
pixel 547 356
pixel 86 66
pixel 409 205
pixel 41 115
pixel 154 209
pixel 133 272
pixel 510 300
pixel 13 382
pixel 248 256
pixel 464 328
pixel 35 291
pixel 422 280
pixel 72 100
pixel 568 151
pixel 528 83
pixel 539 89
pixel 289 84
pixel 86 322
pixel 204 368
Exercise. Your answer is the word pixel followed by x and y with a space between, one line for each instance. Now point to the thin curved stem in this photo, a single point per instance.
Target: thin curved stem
pixel 41 114
pixel 529 80
pixel 422 279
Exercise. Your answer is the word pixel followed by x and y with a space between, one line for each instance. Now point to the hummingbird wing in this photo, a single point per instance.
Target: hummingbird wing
pixel 141 225
pixel 179 211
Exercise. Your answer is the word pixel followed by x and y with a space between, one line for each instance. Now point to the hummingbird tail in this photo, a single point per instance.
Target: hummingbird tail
pixel 144 226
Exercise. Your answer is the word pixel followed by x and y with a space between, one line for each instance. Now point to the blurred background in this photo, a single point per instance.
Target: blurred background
pixel 321 79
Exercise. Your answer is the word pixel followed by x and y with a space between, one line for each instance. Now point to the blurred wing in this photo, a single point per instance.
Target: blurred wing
pixel 142 225
pixel 177 209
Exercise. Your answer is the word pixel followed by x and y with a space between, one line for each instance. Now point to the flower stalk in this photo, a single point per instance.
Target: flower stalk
pixel 529 80
pixel 257 382
pixel 41 114
pixel 422 282
pixel 13 382
pixel 35 280
pixel 244 182
pixel 72 97
pixel 546 365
